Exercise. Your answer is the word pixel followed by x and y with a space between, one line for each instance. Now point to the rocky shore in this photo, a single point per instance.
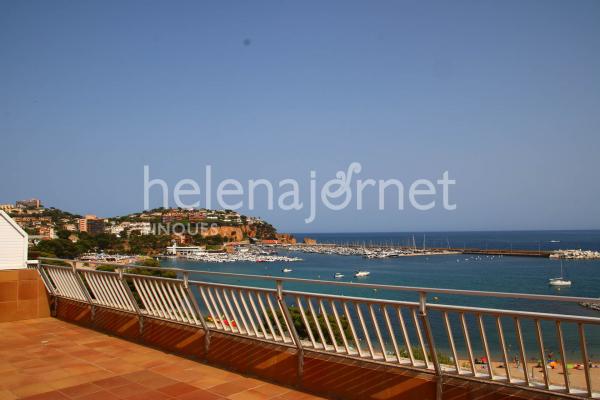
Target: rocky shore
pixel 576 254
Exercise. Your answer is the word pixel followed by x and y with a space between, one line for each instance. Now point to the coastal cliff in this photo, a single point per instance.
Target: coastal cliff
pixel 232 233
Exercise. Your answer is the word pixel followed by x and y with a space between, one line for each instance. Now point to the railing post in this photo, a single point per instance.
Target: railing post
pixel 84 290
pixel 132 299
pixel 49 286
pixel 431 343
pixel 292 328
pixel 422 303
pixel 586 358
pixel 188 290
pixel 45 278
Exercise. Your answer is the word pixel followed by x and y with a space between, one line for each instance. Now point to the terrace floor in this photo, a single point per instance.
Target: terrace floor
pixel 49 359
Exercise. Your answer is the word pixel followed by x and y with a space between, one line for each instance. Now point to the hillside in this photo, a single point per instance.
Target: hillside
pixel 63 234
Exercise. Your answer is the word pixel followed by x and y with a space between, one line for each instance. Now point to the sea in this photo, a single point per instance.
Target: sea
pixel 462 271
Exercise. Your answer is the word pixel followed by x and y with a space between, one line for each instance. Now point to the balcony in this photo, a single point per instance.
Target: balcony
pixel 333 342
pixel 49 359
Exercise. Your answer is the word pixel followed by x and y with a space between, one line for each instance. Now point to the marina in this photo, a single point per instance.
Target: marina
pixel 391 251
pixel 256 256
pixel 370 252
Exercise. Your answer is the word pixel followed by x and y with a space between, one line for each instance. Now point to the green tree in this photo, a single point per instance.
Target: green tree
pixel 60 248
pixel 63 234
pixel 300 325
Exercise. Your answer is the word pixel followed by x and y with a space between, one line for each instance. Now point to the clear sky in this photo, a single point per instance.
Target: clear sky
pixel 504 95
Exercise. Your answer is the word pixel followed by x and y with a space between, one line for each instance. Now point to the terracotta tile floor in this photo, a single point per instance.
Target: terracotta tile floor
pixel 48 359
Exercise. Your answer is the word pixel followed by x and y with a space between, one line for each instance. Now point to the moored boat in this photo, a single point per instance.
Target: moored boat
pixel 559 281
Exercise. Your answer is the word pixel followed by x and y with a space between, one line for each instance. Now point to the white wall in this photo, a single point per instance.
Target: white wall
pixel 13 244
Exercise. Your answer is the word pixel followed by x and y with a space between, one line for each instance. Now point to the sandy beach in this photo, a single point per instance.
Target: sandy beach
pixel 555 375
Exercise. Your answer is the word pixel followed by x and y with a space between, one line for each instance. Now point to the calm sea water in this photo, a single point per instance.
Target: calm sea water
pixel 506 274
pixel 544 240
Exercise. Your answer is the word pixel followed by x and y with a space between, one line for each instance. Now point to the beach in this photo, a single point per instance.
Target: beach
pixel 576 377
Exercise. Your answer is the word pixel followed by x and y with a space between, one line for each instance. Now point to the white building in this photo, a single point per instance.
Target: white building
pixel 144 228
pixel 185 250
pixel 13 244
pixel 7 207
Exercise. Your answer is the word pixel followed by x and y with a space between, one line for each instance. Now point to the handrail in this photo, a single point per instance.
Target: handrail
pixel 415 289
pixel 393 332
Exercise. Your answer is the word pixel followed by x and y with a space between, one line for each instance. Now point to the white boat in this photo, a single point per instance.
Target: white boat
pixel 559 281
pixel 286 270
pixel 359 274
pixel 338 275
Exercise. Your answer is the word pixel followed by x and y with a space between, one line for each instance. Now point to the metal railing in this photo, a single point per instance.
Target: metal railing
pixel 392 332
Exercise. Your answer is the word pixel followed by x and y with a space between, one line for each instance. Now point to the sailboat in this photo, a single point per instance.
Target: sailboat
pixel 559 281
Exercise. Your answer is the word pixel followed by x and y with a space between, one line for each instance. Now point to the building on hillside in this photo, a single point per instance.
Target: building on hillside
pixel 254 220
pixel 32 221
pixel 197 216
pixel 82 222
pixel 91 224
pixel 95 226
pixel 13 244
pixel 70 227
pixel 174 216
pixel 29 203
pixel 7 208
pixel 47 232
pixel 143 228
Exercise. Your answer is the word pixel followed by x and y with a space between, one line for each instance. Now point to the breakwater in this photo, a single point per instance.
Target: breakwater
pixel 389 251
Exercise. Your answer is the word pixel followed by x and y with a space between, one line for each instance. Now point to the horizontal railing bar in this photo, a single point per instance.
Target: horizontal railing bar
pixel 225 285
pixel 444 307
pixel 156 278
pixel 514 313
pixel 351 298
pixel 416 289
pixel 108 306
pixel 95 271
pixel 57 266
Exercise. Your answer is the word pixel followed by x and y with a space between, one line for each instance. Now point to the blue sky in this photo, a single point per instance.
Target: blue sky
pixel 503 95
